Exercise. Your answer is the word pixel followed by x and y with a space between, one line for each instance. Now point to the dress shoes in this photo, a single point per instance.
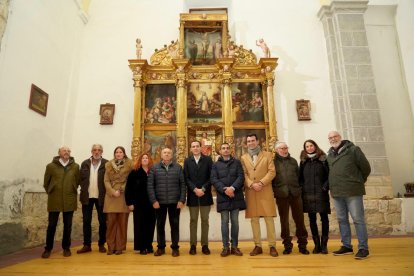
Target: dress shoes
pixel 118 252
pixel 46 254
pixel 67 253
pixel 225 252
pixel 84 249
pixel 102 249
pixel 256 251
pixel 236 251
pixel 175 253
pixel 205 250
pixel 159 252
pixel 273 252
pixel 193 250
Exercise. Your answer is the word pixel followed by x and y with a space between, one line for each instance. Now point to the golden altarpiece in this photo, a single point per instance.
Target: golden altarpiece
pixel 202 87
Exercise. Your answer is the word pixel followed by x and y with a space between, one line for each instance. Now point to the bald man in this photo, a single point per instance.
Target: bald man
pixel 166 192
pixel 348 172
pixel 61 182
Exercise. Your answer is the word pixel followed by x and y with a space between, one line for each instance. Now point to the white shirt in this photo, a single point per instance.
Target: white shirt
pixel 93 180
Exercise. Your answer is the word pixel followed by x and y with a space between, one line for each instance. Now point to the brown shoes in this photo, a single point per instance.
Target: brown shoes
pixel 84 249
pixel 256 251
pixel 236 251
pixel 175 253
pixel 225 252
pixel 102 249
pixel 205 250
pixel 159 252
pixel 193 250
pixel 273 252
pixel 118 252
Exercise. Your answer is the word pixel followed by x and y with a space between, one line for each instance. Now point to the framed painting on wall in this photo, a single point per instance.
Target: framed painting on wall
pixel 155 140
pixel 107 112
pixel 160 104
pixel 38 100
pixel 248 104
pixel 204 103
pixel 303 108
pixel 240 145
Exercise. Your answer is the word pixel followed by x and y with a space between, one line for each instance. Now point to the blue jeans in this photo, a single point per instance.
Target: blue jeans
pixel 232 215
pixel 355 206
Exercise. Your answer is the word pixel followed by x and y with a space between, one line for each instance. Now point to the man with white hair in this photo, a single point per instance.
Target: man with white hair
pixel 92 193
pixel 288 194
pixel 61 182
pixel 348 172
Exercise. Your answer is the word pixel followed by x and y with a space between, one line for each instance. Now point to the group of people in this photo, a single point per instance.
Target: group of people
pixel 251 183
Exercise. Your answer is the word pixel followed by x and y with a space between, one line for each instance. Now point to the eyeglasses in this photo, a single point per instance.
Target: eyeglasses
pixel 333 137
pixel 284 148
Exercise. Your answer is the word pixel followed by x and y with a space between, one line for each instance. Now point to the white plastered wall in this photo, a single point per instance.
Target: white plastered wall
pixel 40 46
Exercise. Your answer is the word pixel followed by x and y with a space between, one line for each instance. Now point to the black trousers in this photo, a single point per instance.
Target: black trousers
pixel 174 218
pixel 144 227
pixel 51 229
pixel 296 207
pixel 314 225
pixel 87 221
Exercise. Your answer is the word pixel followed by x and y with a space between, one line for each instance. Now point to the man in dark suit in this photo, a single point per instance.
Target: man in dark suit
pixel 197 169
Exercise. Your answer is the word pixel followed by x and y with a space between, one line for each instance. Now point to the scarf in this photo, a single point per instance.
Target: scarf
pixel 117 164
pixel 254 153
pixel 311 155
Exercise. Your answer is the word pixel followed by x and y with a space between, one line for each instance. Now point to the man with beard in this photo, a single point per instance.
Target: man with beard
pixel 92 193
pixel 259 172
pixel 348 172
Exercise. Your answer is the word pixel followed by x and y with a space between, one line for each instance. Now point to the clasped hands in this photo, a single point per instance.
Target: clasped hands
pixel 257 186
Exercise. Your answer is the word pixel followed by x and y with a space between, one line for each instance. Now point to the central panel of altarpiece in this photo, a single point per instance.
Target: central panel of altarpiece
pixel 202 87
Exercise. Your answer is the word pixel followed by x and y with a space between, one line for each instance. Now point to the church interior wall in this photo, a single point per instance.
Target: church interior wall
pixel 392 93
pixel 82 65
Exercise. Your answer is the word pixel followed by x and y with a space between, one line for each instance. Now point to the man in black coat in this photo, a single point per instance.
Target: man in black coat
pixel 288 196
pixel 228 178
pixel 92 172
pixel 197 169
pixel 166 192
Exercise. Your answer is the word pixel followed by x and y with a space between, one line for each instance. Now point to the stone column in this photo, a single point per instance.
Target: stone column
pixel 357 113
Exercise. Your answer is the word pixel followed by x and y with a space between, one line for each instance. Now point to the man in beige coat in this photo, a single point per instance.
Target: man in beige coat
pixel 259 171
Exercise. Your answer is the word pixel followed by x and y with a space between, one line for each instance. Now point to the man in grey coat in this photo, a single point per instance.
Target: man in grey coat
pixel 166 192
pixel 348 172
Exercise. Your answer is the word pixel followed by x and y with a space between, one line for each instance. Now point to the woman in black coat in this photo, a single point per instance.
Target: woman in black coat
pixel 313 178
pixel 136 197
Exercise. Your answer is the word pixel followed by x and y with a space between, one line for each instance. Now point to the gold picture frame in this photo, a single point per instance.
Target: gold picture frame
pixel 38 100
pixel 107 111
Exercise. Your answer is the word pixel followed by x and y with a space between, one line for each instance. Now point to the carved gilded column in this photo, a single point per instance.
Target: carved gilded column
pixel 181 109
pixel 227 108
pixel 137 67
pixel 181 49
pixel 268 66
